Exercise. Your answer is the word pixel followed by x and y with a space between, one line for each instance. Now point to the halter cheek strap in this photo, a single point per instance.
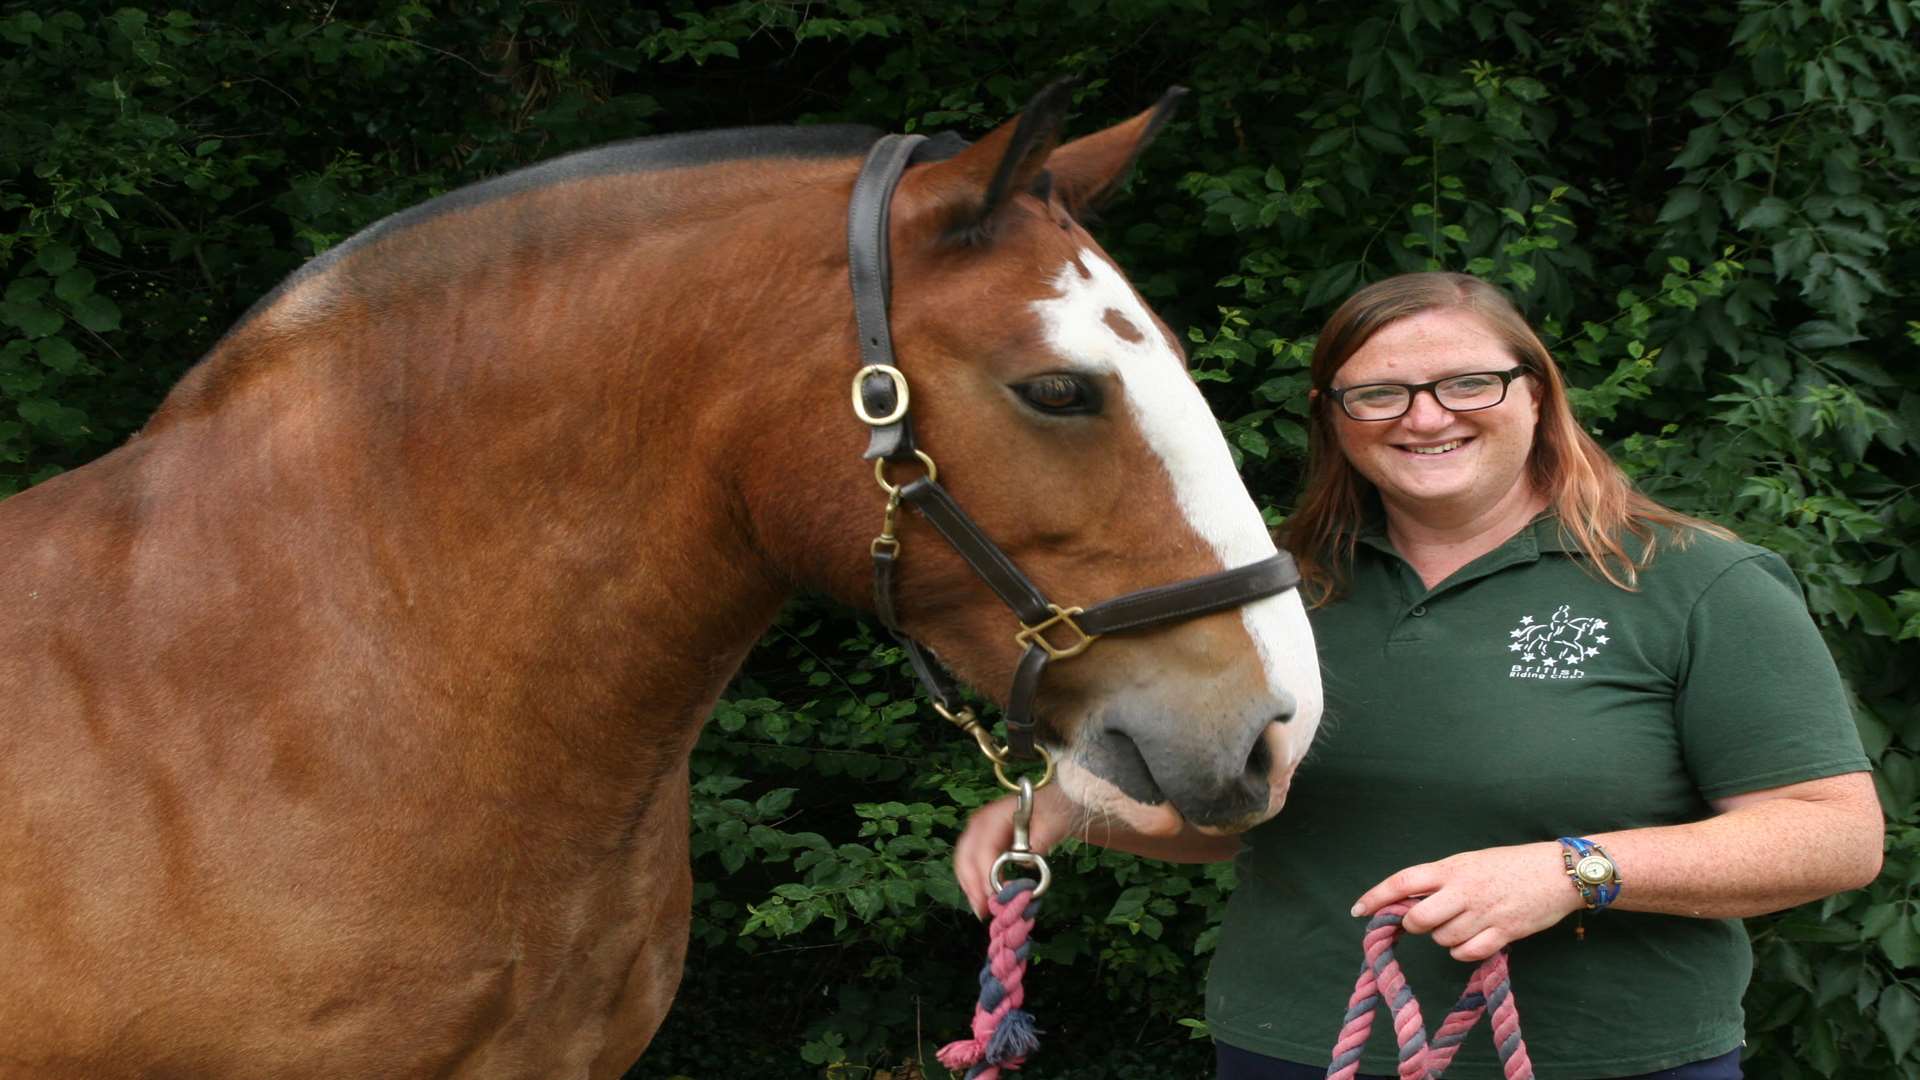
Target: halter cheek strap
pixel 1048 632
pixel 880 391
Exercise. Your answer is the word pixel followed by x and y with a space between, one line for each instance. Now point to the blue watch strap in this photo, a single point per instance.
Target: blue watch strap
pixel 1597 897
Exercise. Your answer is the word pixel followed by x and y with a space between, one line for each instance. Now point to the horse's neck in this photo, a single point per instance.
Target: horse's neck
pixel 516 483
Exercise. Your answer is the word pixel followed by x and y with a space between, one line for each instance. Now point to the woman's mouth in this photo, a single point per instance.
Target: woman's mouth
pixel 1436 449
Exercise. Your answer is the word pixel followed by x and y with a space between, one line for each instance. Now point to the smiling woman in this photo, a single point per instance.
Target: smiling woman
pixel 1558 698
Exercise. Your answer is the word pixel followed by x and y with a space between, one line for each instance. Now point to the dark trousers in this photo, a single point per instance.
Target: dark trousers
pixel 1233 1063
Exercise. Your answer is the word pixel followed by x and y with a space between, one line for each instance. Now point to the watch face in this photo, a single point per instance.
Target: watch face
pixel 1594 870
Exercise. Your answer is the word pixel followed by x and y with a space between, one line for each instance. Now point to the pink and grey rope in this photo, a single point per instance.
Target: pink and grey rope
pixel 1003 1032
pixel 1490 987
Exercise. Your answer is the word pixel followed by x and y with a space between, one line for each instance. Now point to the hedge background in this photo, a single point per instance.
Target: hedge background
pixel 1711 208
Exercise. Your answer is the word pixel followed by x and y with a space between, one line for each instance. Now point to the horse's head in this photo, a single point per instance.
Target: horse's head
pixel 1062 419
pixel 1059 410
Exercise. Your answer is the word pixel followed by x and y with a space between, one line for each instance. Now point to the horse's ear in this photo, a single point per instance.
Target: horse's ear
pixel 1089 171
pixel 971 185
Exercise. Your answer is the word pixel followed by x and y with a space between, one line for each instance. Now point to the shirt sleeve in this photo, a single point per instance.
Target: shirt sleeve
pixel 1761 703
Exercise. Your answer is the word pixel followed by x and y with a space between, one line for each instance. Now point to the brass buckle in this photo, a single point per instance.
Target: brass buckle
pixel 899 395
pixel 1036 635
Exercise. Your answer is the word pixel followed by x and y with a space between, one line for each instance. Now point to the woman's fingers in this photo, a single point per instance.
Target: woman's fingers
pixel 988 833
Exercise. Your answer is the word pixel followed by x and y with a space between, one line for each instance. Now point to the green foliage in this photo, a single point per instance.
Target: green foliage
pixel 1712 210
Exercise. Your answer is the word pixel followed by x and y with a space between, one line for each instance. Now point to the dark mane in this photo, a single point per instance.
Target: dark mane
pixel 232 359
pixel 648 154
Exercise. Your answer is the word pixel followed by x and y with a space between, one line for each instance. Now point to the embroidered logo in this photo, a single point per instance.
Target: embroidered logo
pixel 1557 648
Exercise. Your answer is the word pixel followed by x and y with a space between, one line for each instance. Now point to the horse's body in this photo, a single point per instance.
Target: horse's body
pixel 345 712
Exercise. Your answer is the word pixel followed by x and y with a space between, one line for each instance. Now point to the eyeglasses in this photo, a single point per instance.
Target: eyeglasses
pixel 1455 393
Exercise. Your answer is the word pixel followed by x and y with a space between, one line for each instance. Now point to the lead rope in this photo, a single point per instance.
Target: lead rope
pixel 1489 987
pixel 1003 1032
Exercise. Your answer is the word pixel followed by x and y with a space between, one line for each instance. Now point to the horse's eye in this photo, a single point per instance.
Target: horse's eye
pixel 1060 394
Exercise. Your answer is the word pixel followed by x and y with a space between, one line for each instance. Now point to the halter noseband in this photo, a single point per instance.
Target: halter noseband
pixel 880 400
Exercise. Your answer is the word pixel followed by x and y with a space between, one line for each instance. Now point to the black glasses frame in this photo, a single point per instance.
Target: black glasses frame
pixel 1413 390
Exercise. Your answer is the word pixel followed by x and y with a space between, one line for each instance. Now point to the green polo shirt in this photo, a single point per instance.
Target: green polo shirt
pixel 1523 699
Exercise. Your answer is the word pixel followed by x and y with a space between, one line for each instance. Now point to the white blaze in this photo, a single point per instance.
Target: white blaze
pixel 1170 412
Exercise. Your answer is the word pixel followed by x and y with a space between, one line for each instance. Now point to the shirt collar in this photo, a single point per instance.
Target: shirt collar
pixel 1542 534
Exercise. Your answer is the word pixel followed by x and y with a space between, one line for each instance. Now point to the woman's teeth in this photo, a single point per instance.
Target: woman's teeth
pixel 1440 449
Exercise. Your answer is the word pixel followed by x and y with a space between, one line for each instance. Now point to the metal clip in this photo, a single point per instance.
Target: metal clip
pixel 886 540
pixel 965 721
pixel 1022 852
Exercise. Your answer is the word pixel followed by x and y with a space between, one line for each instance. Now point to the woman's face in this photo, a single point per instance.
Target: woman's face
pixel 1432 461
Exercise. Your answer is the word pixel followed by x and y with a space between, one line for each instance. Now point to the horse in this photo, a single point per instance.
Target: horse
pixel 346 709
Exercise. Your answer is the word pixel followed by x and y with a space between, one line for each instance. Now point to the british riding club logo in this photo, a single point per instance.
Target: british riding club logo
pixel 1557 648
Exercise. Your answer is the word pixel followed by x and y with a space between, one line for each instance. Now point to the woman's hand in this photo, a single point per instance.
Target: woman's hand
pixel 1478 902
pixel 989 834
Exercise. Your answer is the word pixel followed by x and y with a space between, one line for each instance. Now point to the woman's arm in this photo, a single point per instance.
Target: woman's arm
pixel 989 833
pixel 1764 851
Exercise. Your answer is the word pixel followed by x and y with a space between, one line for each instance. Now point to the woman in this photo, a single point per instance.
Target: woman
pixel 1528 666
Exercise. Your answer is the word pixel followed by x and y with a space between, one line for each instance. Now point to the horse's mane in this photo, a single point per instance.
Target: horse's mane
pixel 653 153
pixel 231 358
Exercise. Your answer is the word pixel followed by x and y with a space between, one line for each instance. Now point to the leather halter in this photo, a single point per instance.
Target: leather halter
pixel 881 399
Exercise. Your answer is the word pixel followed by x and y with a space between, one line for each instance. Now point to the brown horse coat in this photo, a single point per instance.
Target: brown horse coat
pixel 345 711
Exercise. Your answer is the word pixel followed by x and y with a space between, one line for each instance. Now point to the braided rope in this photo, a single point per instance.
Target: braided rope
pixel 1490 987
pixel 1003 1032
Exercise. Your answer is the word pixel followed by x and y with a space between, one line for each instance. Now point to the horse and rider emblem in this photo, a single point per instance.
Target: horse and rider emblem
pixel 1555 649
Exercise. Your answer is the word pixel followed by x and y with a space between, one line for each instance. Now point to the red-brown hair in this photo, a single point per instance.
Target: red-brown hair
pixel 1596 502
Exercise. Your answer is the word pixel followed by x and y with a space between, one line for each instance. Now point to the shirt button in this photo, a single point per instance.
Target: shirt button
pixel 1418 610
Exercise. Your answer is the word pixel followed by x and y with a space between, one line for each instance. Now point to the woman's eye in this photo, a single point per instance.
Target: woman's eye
pixel 1059 394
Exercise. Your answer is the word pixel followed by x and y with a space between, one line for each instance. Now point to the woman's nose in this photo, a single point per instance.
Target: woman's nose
pixel 1426 412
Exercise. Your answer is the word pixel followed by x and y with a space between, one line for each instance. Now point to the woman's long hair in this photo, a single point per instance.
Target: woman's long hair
pixel 1597 504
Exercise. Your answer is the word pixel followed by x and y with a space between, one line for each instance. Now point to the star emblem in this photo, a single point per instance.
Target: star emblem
pixel 1593 652
pixel 1599 624
pixel 1602 639
pixel 1549 661
pixel 1515 647
pixel 1526 620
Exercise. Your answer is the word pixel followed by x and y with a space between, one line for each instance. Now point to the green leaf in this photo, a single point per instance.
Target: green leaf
pixel 1452 129
pixel 1526 89
pixel 97 313
pixel 74 286
pixel 1701 144
pixel 26 288
pixel 1769 213
pixel 32 320
pixel 1898 1013
pixel 102 238
pixel 1681 204
pixel 59 354
pixel 1328 141
pixel 1901 943
pixel 56 258
pixel 1821 334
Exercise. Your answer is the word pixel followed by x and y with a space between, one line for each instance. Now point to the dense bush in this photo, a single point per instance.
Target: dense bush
pixel 1712 209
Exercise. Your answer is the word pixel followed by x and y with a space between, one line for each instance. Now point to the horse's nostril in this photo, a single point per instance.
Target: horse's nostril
pixel 1259 760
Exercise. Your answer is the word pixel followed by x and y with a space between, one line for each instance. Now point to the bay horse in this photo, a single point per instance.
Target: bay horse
pixel 345 710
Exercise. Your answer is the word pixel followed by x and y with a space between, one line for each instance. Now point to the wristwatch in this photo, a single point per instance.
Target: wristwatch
pixel 1592 871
